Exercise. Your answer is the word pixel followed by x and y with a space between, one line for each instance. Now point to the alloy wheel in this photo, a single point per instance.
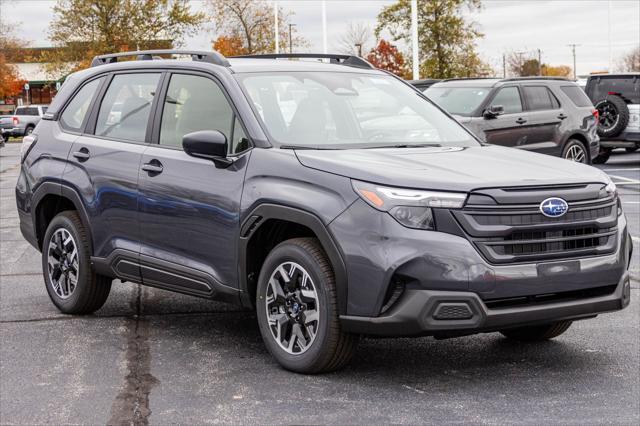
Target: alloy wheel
pixel 292 307
pixel 608 116
pixel 63 263
pixel 576 153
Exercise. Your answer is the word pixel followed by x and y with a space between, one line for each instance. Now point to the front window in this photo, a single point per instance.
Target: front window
pixel 348 110
pixel 458 100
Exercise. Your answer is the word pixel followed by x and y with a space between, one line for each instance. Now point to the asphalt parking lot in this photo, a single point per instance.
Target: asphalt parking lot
pixel 149 356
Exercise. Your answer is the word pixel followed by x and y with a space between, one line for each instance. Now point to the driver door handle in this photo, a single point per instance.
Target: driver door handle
pixel 153 167
pixel 562 116
pixel 521 120
pixel 82 154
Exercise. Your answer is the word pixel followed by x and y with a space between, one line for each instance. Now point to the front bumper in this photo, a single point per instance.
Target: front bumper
pixel 435 266
pixel 420 312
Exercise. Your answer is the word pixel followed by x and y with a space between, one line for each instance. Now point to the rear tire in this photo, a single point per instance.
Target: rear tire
pixel 574 150
pixel 537 333
pixel 297 309
pixel 613 116
pixel 66 264
pixel 28 130
pixel 603 156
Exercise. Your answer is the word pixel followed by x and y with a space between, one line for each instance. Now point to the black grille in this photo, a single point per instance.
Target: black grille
pixel 507 232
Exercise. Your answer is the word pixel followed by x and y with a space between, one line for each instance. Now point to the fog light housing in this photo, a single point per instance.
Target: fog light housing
pixel 413 216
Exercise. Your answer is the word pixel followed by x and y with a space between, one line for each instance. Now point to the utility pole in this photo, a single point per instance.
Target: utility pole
pixel 504 66
pixel 291 38
pixel 520 63
pixel 414 39
pixel 539 62
pixel 324 27
pixel 276 31
pixel 573 50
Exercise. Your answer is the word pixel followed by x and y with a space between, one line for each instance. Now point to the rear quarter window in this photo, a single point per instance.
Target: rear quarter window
pixel 577 96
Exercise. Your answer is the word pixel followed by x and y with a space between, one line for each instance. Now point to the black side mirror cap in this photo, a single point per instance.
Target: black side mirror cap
pixel 493 111
pixel 209 144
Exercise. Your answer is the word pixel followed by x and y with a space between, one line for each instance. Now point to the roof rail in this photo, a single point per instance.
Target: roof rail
pixel 535 78
pixel 211 57
pixel 349 60
pixel 471 78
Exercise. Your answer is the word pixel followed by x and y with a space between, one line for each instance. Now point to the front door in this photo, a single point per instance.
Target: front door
pixel 189 207
pixel 510 128
pixel 105 162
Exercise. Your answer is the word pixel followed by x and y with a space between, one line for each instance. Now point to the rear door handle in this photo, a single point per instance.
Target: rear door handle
pixel 153 167
pixel 562 116
pixel 521 120
pixel 82 155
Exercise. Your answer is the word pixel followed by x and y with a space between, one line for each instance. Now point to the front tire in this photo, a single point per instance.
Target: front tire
pixel 297 309
pixel 537 333
pixel 66 264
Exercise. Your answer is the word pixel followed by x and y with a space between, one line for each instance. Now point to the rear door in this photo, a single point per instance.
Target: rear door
pixel 510 128
pixel 189 207
pixel 105 161
pixel 545 119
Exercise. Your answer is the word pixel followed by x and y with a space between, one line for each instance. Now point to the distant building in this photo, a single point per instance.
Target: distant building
pixel 42 85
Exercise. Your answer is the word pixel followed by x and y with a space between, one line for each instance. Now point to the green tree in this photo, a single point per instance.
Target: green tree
pixel 251 22
pixel 446 40
pixel 82 29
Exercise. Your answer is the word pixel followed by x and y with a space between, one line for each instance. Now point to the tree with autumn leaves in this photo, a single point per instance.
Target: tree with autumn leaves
pixel 82 29
pixel 246 27
pixel 446 39
pixel 10 82
pixel 387 57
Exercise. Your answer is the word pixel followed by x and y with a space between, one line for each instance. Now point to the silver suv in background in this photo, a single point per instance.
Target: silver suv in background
pixel 22 122
pixel 540 114
pixel 617 99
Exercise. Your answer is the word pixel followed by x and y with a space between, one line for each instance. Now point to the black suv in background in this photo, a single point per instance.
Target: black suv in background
pixel 332 198
pixel 617 99
pixel 542 114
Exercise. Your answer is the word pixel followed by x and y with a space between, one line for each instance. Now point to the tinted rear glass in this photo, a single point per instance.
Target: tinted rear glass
pixel 577 96
pixel 539 98
pixel 627 87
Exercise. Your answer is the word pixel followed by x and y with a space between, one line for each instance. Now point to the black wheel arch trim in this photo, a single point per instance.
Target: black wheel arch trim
pixel 263 212
pixel 61 190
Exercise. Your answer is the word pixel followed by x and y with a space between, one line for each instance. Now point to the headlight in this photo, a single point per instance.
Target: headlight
pixel 410 207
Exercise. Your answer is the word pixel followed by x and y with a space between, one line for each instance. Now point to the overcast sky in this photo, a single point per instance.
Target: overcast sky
pixel 508 25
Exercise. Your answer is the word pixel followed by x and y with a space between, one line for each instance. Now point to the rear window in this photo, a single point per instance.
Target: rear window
pixel 27 111
pixel 577 96
pixel 626 87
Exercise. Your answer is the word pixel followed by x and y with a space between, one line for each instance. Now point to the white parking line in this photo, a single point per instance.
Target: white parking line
pixel 625 178
pixel 621 170
pixel 637 182
pixel 635 239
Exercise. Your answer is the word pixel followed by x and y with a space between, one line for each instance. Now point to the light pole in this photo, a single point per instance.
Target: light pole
pixel 291 38
pixel 359 46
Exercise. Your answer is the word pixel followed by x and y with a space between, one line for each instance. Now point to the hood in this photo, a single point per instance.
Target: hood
pixel 451 169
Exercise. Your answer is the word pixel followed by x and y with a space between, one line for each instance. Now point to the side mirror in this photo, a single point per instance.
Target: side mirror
pixel 493 111
pixel 209 144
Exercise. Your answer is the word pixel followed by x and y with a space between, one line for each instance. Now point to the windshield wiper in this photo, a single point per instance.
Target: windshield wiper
pixel 409 145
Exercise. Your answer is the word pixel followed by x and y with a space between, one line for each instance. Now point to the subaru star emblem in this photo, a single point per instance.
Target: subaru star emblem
pixel 554 207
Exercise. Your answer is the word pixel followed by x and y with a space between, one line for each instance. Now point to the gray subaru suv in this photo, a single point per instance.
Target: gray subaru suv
pixel 331 198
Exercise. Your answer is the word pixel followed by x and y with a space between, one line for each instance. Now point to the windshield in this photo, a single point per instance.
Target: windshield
pixel 347 110
pixel 458 100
